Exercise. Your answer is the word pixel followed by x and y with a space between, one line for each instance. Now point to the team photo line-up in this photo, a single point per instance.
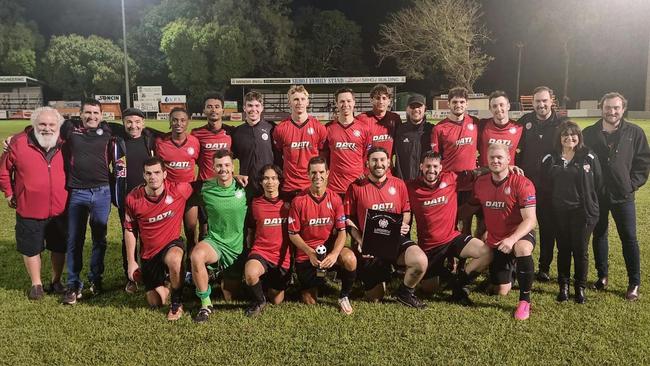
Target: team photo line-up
pixel 312 197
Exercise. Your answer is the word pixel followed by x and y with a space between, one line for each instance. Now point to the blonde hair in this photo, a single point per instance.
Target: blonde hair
pixel 297 89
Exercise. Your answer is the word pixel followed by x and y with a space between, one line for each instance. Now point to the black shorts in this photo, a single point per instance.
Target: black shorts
pixel 436 256
pixel 503 265
pixel 373 271
pixel 307 277
pixel 34 235
pixel 195 199
pixel 154 270
pixel 463 197
pixel 275 277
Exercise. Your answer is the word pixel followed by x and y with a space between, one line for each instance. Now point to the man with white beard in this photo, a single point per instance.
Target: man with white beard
pixel 32 178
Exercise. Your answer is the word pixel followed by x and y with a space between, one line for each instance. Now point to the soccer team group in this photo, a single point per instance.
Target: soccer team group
pixel 300 199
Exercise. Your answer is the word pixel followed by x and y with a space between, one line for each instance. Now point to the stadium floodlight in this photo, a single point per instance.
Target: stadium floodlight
pixel 126 60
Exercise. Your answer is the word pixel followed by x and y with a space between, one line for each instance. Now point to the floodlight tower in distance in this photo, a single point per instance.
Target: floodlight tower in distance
pixel 126 59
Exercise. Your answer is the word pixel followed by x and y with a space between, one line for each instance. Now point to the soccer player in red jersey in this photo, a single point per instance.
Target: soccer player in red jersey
pixel 154 211
pixel 499 129
pixel 433 202
pixel 298 138
pixel 508 202
pixel 315 213
pixel 269 259
pixel 212 136
pixel 454 138
pixel 379 191
pixel 380 120
pixel 347 142
pixel 180 150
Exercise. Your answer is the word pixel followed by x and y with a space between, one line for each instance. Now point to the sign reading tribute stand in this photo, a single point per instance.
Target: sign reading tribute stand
pixel 381 236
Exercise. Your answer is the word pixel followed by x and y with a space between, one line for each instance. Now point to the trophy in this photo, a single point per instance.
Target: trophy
pixel 321 252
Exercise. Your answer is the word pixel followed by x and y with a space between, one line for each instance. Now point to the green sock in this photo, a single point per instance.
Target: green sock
pixel 205 297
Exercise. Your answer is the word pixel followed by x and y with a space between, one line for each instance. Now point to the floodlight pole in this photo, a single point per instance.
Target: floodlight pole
pixel 520 46
pixel 647 83
pixel 126 59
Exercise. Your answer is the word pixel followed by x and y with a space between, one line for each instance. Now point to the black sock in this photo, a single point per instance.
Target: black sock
pixel 347 281
pixel 525 274
pixel 258 292
pixel 177 295
pixel 404 288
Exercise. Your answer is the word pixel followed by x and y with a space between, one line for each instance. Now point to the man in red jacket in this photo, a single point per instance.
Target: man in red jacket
pixel 33 181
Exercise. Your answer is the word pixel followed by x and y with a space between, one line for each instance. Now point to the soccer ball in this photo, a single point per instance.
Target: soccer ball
pixel 321 250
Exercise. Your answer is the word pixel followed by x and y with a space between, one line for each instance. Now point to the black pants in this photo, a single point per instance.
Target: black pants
pixel 546 223
pixel 572 233
pixel 125 263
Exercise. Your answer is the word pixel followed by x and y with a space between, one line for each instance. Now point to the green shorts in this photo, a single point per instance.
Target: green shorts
pixel 227 254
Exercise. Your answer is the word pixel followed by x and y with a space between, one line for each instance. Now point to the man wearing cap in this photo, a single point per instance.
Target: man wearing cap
pixel 412 139
pixel 132 144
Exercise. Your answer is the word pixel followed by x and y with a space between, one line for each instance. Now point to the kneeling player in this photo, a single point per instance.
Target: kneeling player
pixel 314 214
pixel 378 191
pixel 268 262
pixel 225 204
pixel 433 202
pixel 155 209
pixel 508 203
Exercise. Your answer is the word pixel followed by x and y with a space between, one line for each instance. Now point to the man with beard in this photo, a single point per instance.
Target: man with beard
pixel 347 141
pixel 315 214
pixel 433 201
pixel 454 138
pixel 508 204
pixel 622 148
pixel 226 207
pixel 32 178
pixel 298 139
pixel 252 144
pixel 154 211
pixel 382 192
pixel 412 139
pixel 539 129
pixel 380 121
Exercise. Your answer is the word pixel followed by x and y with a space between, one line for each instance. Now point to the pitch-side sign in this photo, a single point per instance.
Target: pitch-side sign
pixel 108 98
pixel 149 93
pixel 173 99
pixel 146 106
pixel 329 80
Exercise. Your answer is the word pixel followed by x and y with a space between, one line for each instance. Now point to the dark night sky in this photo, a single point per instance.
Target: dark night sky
pixel 612 58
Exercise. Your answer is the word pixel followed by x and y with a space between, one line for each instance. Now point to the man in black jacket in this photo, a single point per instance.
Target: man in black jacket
pixel 622 148
pixel 412 139
pixel 537 141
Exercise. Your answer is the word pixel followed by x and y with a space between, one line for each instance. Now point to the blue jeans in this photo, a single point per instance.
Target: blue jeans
pixel 96 203
pixel 624 215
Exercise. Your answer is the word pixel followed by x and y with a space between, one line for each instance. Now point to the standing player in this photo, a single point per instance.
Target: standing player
pixel 433 201
pixel 412 139
pixel 180 150
pixel 315 213
pixel 269 258
pixel 212 136
pixel 454 138
pixel 540 127
pixel 379 191
pixel 252 143
pixel 298 138
pixel 154 211
pixel 225 204
pixel 380 120
pixel 347 140
pixel 508 203
pixel 499 129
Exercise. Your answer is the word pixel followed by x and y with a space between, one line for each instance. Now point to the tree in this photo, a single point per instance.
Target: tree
pixel 19 41
pixel 433 35
pixel 329 44
pixel 78 66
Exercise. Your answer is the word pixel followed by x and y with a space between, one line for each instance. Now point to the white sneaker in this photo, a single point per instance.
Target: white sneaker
pixel 346 308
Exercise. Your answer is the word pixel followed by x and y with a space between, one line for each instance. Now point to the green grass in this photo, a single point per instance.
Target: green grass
pixel 117 328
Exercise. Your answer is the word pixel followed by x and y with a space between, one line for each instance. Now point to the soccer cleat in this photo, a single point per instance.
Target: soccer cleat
pixel 71 295
pixel 255 309
pixel 408 298
pixel 344 304
pixel 188 278
pixel 175 311
pixel 55 288
pixel 523 310
pixel 36 292
pixel 203 315
pixel 461 296
pixel 131 287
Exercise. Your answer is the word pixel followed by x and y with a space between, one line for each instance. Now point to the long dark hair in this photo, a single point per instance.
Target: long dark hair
pixel 565 128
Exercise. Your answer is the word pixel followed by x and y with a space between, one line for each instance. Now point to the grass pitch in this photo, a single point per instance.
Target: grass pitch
pixel 116 328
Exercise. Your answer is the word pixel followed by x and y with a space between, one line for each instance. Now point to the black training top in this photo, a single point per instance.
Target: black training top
pixel 253 146
pixel 88 151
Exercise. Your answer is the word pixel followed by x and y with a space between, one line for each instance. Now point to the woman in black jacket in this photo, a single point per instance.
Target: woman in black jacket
pixel 573 172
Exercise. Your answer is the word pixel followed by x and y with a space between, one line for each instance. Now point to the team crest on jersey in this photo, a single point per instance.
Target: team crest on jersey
pixel 239 194
pixel 287 205
pixel 529 125
pixel 356 133
pixel 392 191
pixel 443 185
pixel 169 200
pixel 265 136
pixel 470 127
pixel 310 130
pixel 586 167
pixel 506 190
pixel 190 150
pixel 512 130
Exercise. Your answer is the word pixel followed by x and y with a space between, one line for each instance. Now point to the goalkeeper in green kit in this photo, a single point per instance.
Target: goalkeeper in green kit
pixel 225 204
